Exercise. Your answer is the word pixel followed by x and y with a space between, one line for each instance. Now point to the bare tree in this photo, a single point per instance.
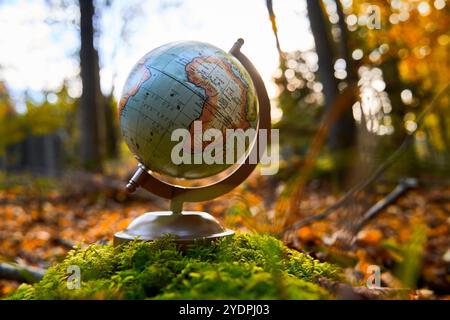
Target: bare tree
pixel 90 106
pixel 342 131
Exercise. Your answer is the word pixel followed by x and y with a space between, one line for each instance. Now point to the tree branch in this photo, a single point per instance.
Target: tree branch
pixel 20 273
pixel 403 186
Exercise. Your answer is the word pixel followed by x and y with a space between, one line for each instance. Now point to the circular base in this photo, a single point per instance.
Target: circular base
pixel 187 227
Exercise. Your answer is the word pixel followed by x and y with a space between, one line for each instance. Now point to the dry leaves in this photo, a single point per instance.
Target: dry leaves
pixel 39 230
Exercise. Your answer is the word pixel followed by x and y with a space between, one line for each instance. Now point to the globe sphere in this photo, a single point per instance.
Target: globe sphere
pixel 189 88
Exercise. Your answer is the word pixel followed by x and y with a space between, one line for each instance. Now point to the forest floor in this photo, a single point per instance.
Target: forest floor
pixel 408 242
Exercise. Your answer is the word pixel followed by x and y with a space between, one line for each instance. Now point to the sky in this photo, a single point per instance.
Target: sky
pixel 38 53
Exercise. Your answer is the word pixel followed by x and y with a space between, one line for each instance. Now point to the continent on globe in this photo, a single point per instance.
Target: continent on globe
pixel 138 76
pixel 173 86
pixel 200 71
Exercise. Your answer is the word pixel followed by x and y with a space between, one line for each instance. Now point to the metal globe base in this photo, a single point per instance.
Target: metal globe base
pixel 186 227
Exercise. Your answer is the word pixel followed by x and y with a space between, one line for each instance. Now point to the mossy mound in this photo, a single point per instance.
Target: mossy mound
pixel 239 267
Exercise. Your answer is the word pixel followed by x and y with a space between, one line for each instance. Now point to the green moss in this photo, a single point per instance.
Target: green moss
pixel 239 267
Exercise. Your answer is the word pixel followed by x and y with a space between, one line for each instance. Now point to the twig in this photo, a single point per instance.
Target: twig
pixel 20 273
pixel 67 244
pixel 274 27
pixel 403 186
pixel 344 291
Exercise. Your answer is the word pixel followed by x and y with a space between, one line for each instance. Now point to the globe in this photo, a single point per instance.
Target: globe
pixel 186 85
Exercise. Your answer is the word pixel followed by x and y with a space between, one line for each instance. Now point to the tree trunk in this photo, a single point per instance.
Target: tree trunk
pixel 101 110
pixel 90 135
pixel 341 133
pixel 112 138
pixel 344 43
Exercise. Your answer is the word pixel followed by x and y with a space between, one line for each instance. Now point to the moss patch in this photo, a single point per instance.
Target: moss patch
pixel 239 267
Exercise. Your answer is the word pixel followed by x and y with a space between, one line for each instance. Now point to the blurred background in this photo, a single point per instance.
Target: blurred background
pixel 359 92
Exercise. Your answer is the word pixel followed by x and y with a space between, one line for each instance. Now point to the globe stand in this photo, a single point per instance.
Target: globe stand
pixel 193 226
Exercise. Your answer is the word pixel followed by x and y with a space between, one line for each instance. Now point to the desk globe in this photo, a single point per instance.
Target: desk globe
pixel 174 87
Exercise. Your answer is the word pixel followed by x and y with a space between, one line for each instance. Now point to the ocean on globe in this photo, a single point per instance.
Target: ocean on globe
pixel 175 85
